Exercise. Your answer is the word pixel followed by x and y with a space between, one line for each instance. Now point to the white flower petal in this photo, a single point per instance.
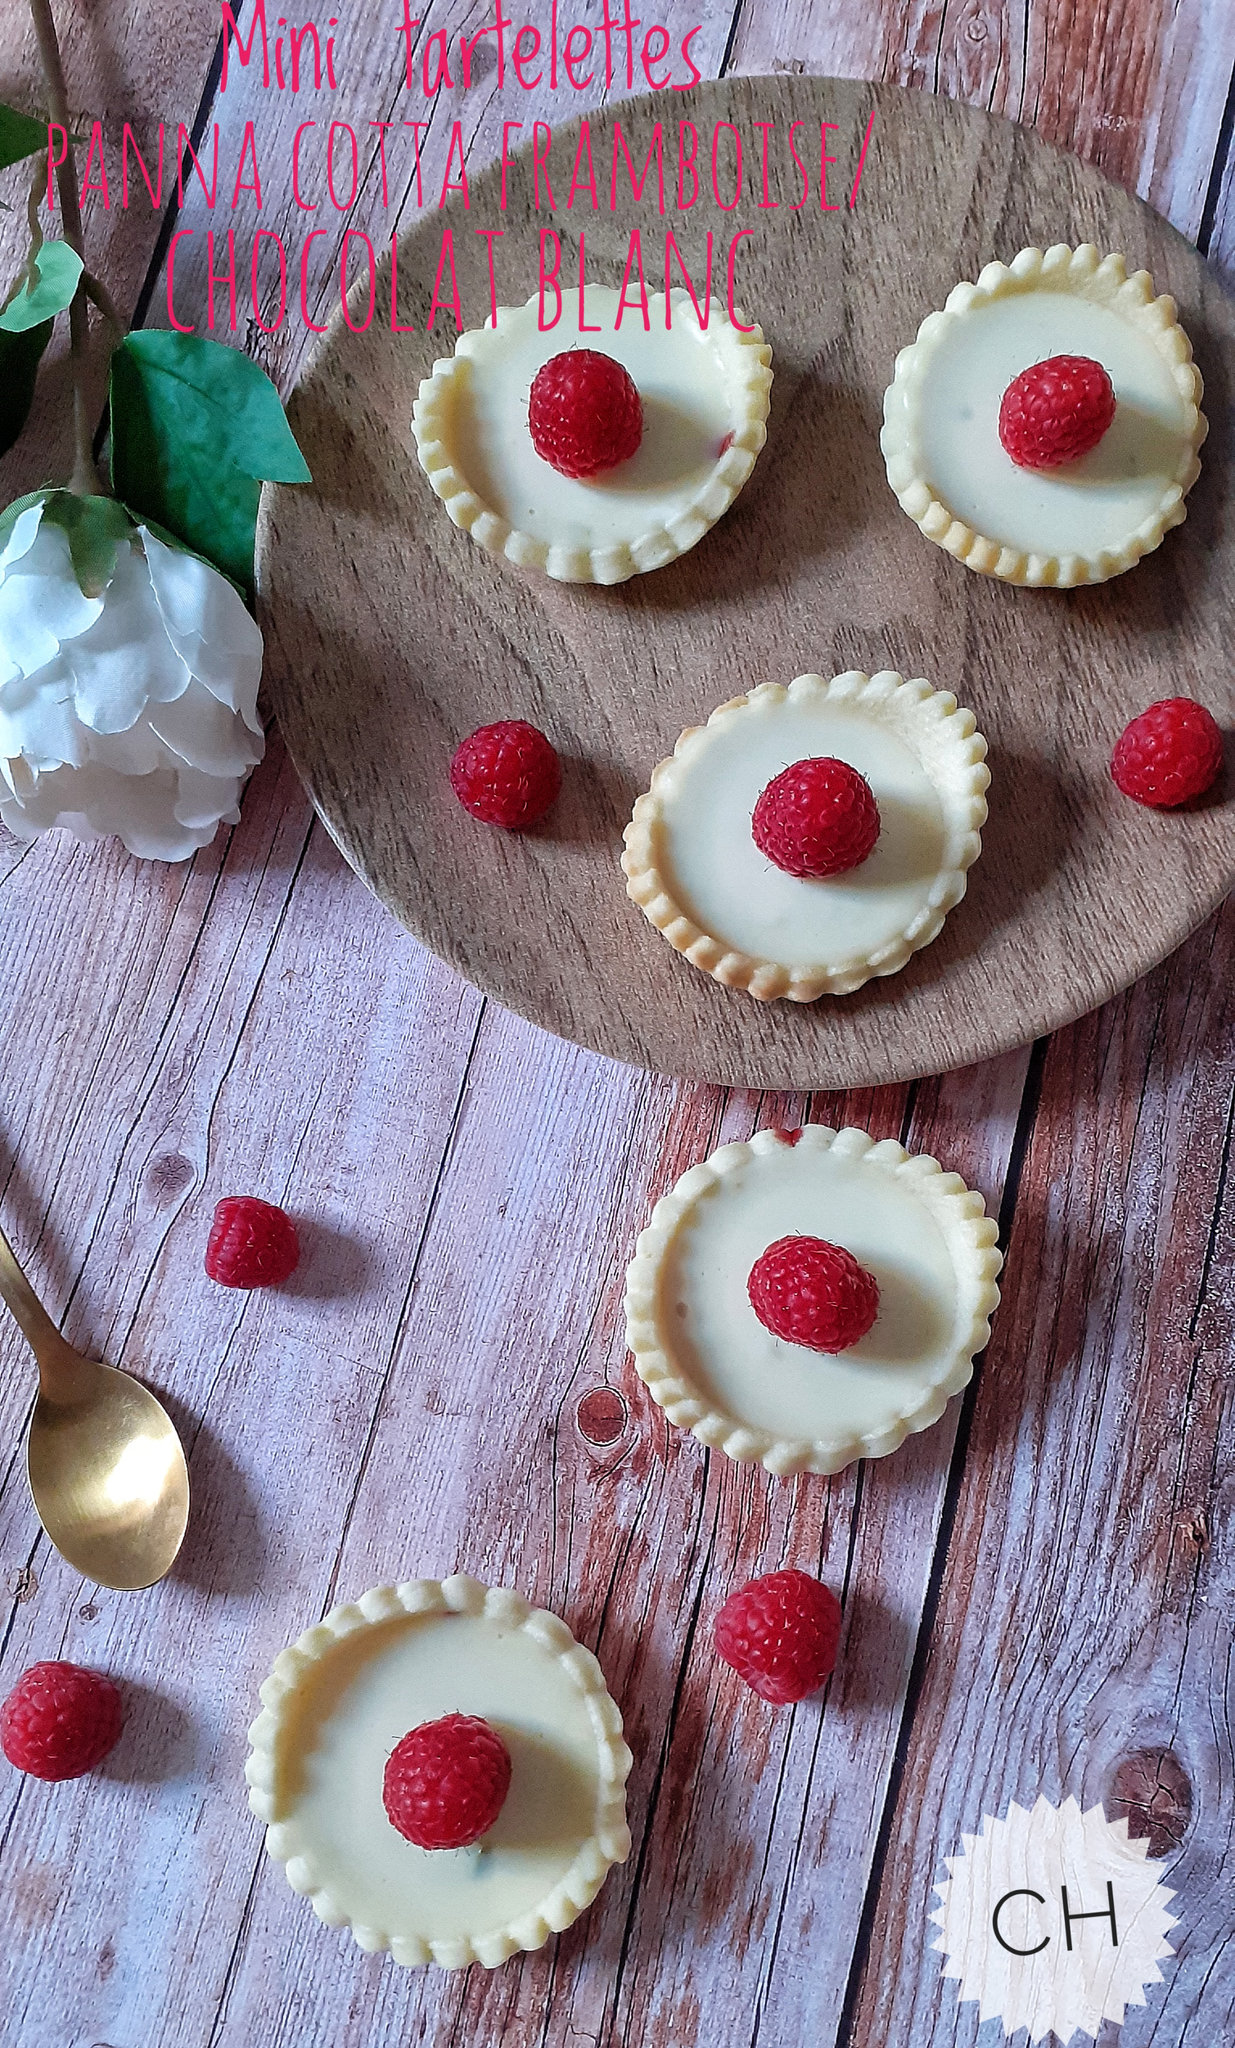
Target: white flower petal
pixel 41 602
pixel 139 751
pixel 208 626
pixel 203 732
pixel 140 810
pixel 125 660
pixel 207 800
pixel 106 725
pixel 37 719
pixel 21 539
pixel 53 680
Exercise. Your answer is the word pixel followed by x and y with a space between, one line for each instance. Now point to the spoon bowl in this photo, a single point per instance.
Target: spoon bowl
pixel 106 1467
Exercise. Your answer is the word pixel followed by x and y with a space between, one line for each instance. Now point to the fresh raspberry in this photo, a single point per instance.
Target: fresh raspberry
pixel 584 413
pixel 506 774
pixel 446 1782
pixel 816 818
pixel 60 1720
pixel 1168 755
pixel 1056 411
pixel 780 1634
pixel 814 1293
pixel 251 1243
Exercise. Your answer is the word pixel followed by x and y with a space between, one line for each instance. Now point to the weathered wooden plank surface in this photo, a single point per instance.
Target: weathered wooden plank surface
pixel 471 1189
pixel 716 1847
pixel 1137 87
pixel 1085 1609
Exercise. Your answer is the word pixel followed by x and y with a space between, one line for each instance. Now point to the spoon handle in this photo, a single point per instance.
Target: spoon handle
pixel 25 1306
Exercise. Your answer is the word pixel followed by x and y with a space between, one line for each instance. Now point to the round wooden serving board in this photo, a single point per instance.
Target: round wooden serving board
pixel 390 635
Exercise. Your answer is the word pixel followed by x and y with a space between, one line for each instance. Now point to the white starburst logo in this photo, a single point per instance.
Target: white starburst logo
pixel 1053 1920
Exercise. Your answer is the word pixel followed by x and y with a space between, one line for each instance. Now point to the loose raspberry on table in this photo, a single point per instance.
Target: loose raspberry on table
pixel 813 1293
pixel 506 774
pixel 1056 411
pixel 780 1634
pixel 1167 756
pixel 816 818
pixel 584 413
pixel 60 1720
pixel 251 1244
pixel 446 1782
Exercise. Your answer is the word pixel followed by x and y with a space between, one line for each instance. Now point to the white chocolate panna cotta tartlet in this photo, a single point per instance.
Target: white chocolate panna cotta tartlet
pixel 1070 521
pixel 897 1302
pixel 338 1710
pixel 703 393
pixel 695 860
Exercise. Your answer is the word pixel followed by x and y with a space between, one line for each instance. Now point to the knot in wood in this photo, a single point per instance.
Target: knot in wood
pixel 1150 1789
pixel 601 1416
pixel 168 1176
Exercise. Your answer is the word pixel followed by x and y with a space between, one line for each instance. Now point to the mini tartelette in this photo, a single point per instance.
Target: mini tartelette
pixel 717 1371
pixel 1090 519
pixel 694 869
pixel 336 1704
pixel 705 404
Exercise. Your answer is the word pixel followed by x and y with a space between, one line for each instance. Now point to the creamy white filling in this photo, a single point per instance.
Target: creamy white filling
pixel 362 1698
pixel 714 869
pixel 717 1343
pixel 689 406
pixel 1086 506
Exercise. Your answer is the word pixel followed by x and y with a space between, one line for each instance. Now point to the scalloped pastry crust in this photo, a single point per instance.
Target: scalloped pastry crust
pixel 1094 518
pixel 706 395
pixel 305 1705
pixel 926 763
pixel 714 1369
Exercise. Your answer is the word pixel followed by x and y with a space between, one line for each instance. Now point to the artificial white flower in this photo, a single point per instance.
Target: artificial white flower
pixel 132 712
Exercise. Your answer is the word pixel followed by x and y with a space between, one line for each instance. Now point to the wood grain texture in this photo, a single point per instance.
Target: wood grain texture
pixel 815 569
pixel 256 1021
pixel 1136 87
pixel 382 1416
pixel 1084 1612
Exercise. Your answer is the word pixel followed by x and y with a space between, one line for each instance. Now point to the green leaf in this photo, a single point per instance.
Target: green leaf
pixel 57 270
pixel 19 136
pixel 196 429
pixel 95 529
pixel 19 366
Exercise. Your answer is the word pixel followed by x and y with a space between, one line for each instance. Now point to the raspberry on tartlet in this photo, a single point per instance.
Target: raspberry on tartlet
pixel 1056 411
pixel 780 1633
pixel 816 818
pixel 813 1293
pixel 1168 756
pixel 507 774
pixel 446 1782
pixel 584 413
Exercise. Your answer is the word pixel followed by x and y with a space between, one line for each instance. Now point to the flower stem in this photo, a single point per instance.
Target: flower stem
pixel 97 291
pixel 85 479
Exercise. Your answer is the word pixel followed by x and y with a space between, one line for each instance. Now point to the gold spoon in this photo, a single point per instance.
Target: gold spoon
pixel 106 1467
